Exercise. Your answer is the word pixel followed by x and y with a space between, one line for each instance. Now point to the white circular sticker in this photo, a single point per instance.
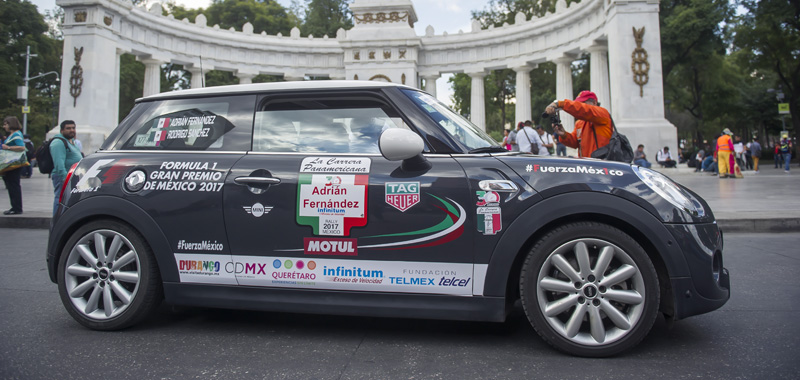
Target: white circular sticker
pixel 258 210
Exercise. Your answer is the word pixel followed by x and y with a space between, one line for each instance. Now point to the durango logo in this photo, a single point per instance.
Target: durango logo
pixel 334 247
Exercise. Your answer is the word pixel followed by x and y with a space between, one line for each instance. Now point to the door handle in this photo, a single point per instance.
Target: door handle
pixel 257 181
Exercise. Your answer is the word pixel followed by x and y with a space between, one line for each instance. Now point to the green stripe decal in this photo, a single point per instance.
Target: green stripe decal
pixel 443 225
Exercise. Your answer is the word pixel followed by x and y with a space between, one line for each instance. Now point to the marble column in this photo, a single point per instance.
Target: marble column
pixel 522 109
pixel 564 88
pixel 430 84
pixel 115 90
pixel 477 100
pixel 152 77
pixel 599 74
pixel 197 77
pixel 245 78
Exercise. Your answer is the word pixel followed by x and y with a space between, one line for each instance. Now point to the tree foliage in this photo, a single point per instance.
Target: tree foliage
pixel 23 26
pixel 265 16
pixel 325 17
pixel 768 40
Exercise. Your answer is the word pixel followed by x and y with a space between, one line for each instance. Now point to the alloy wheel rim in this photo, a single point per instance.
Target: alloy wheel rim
pixel 102 274
pixel 591 292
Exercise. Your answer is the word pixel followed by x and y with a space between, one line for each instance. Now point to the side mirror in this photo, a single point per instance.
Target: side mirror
pixel 401 144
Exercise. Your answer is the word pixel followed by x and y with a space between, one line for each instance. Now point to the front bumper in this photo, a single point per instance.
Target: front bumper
pixel 708 286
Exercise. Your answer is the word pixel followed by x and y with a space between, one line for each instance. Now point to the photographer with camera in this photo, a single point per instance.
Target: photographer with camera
pixel 592 127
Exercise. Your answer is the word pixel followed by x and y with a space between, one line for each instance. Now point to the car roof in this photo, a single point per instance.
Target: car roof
pixel 273 86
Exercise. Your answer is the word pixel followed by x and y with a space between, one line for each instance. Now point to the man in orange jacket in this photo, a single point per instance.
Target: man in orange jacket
pixel 592 120
pixel 723 153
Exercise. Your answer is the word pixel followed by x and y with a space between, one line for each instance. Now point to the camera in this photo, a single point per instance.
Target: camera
pixel 555 119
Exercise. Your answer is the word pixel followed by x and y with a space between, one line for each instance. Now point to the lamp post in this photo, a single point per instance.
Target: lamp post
pixel 24 90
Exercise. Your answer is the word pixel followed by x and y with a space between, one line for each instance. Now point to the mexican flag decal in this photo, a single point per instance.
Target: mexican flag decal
pixel 330 198
pixel 489 213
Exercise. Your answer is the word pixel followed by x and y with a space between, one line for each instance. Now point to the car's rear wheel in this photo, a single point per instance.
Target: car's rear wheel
pixel 589 289
pixel 107 276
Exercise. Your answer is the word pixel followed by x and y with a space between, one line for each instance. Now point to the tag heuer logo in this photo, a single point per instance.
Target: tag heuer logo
pixel 402 195
pixel 257 209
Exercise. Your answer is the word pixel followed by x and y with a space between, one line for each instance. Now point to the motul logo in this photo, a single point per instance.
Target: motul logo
pixel 335 247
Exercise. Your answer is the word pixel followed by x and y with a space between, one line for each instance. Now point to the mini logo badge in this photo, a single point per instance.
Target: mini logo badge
pixel 402 195
pixel 258 209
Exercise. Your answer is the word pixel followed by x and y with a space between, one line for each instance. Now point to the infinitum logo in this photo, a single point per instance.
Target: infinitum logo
pixel 205 245
pixel 353 275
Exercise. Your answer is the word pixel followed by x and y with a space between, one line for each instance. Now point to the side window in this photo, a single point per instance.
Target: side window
pixel 193 124
pixel 327 125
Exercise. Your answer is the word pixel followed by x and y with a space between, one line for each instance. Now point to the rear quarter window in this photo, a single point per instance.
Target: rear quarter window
pixel 219 123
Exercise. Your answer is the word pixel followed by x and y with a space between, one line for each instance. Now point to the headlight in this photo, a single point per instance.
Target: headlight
pixel 668 190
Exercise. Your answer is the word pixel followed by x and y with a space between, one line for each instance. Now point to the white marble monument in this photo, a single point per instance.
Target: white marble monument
pixel 621 36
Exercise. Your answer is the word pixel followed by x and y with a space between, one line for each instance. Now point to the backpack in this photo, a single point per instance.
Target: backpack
pixel 29 150
pixel 43 157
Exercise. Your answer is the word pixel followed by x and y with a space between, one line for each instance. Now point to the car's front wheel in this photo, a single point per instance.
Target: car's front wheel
pixel 589 289
pixel 107 276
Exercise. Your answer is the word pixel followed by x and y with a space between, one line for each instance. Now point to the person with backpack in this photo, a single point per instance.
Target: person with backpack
pixel 593 128
pixel 64 154
pixel 11 177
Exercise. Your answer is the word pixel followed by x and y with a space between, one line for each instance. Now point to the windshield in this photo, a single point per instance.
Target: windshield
pixel 461 129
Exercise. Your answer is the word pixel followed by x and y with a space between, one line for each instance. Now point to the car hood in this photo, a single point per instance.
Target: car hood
pixel 550 176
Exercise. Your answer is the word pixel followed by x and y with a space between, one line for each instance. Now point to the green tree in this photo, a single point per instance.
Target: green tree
pixel 769 36
pixel 131 83
pixel 265 16
pixel 220 78
pixel 699 81
pixel 543 90
pixel 325 17
pixel 174 77
pixel 23 26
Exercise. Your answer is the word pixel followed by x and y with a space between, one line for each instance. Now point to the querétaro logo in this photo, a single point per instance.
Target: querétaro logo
pixel 333 247
pixel 402 195
pixel 205 245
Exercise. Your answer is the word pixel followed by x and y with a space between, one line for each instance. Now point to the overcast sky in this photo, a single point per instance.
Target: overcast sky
pixel 443 15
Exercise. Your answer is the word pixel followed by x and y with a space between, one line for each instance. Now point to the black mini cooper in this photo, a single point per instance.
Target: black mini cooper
pixel 373 199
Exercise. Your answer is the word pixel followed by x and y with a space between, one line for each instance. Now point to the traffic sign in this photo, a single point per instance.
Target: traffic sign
pixel 26 109
pixel 783 108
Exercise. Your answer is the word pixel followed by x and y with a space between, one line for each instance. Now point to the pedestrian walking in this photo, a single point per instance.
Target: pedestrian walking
pixel 724 154
pixel 64 154
pixel 755 152
pixel 15 143
pixel 786 152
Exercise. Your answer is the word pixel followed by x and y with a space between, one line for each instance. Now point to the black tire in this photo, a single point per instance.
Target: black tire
pixel 552 297
pixel 114 293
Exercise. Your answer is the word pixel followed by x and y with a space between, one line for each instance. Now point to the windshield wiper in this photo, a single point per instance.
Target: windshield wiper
pixel 488 149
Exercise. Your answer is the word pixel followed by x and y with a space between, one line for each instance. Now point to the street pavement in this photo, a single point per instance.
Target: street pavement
pixel 763 202
pixel 753 336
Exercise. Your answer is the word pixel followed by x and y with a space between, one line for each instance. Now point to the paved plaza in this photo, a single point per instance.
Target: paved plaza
pixel 763 202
